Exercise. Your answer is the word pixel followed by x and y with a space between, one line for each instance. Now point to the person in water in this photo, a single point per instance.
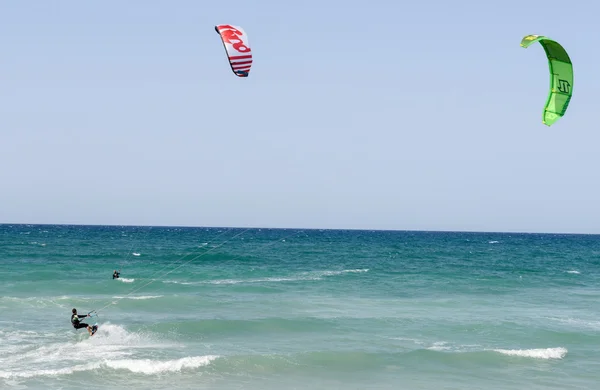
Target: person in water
pixel 116 274
pixel 77 324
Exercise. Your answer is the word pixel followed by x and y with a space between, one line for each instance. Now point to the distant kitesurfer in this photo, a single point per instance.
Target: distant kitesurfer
pixel 77 324
pixel 116 274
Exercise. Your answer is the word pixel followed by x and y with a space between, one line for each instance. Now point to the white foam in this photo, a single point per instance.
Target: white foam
pixel 176 282
pixel 260 280
pixel 493 242
pixel 573 272
pixel 312 275
pixel 49 372
pixel 142 297
pixel 111 341
pixel 547 353
pixel 416 341
pixel 140 366
pixel 346 271
pixel 44 359
pixel 125 280
pixel 136 254
pixel 440 346
pixel 150 367
pixel 577 322
pixel 18 336
pixel 109 333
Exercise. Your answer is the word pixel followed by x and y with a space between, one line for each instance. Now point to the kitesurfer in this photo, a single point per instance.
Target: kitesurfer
pixel 116 274
pixel 76 322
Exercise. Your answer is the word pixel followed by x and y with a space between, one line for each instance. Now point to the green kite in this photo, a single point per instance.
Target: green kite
pixel 561 77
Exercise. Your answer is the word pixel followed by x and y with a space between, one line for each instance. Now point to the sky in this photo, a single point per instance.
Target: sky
pixel 380 114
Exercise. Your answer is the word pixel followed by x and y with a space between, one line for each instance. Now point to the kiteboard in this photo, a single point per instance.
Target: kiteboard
pixel 94 329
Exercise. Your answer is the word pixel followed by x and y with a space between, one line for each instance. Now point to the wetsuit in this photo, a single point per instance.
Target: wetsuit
pixel 116 275
pixel 76 323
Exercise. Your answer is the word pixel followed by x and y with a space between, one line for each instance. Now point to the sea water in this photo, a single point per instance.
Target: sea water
pixel 222 308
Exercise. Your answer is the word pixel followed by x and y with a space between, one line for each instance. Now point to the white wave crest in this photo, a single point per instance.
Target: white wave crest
pixel 49 372
pixel 141 366
pixel 304 276
pixel 149 367
pixel 258 280
pixel 440 346
pixel 582 323
pixel 125 280
pixel 573 272
pixel 346 271
pixel 111 342
pixel 546 353
pixel 141 297
pixel 177 282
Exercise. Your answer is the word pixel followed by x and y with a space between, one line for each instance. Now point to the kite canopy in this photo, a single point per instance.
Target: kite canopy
pixel 561 77
pixel 237 47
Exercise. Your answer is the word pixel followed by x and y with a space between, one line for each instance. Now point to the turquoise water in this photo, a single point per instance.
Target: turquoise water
pixel 218 308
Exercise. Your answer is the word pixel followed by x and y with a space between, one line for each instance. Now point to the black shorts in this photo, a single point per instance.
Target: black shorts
pixel 80 325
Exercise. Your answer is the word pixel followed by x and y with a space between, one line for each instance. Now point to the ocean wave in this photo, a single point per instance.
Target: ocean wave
pixel 259 280
pixel 304 276
pixel 33 299
pixel 178 282
pixel 43 302
pixel 125 280
pixel 577 322
pixel 573 272
pixel 346 271
pixel 443 346
pixel 49 372
pixel 440 346
pixel 150 367
pixel 138 366
pixel 112 347
pixel 139 297
pixel 10 339
pixel 546 353
pixel 65 357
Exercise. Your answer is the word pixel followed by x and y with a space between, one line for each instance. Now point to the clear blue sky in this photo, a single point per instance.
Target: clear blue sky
pixel 357 114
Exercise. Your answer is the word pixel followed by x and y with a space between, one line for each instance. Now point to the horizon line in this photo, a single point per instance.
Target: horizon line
pixel 295 228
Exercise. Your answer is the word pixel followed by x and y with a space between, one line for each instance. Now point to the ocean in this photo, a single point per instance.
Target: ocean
pixel 231 308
